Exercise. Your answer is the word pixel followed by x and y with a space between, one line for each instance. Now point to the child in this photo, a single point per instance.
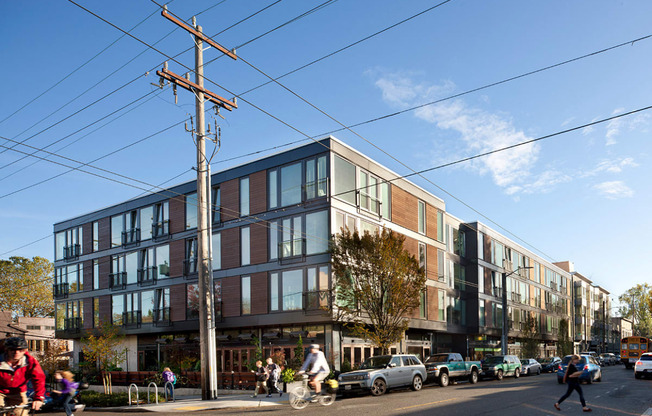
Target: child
pixel 261 378
pixel 68 392
pixel 168 375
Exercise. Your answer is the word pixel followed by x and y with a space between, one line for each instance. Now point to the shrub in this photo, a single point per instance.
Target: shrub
pixel 95 399
pixel 287 375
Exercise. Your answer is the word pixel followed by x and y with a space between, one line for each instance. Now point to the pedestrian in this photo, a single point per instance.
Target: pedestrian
pixel 168 376
pixel 17 369
pixel 572 377
pixel 274 372
pixel 261 378
pixel 67 379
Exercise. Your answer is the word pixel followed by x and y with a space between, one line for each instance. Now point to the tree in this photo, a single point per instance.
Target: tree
pixel 377 284
pixel 564 343
pixel 53 357
pixel 531 337
pixel 636 305
pixel 102 348
pixel 26 286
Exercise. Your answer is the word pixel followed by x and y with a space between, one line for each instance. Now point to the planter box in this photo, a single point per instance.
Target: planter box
pixel 287 387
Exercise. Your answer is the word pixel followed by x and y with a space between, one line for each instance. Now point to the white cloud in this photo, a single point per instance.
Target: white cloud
pixel 590 129
pixel 614 190
pixel 567 121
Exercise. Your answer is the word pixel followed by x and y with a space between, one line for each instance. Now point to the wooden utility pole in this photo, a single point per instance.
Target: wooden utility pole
pixel 208 347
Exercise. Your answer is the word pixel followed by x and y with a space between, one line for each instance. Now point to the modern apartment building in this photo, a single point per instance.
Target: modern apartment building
pixel 134 264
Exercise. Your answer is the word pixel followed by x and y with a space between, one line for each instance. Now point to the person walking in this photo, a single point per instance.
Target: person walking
pixel 67 379
pixel 17 368
pixel 274 373
pixel 261 378
pixel 572 377
pixel 168 376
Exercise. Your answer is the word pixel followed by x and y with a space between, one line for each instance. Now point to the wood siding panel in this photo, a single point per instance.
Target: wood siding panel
pixel 431 221
pixel 105 233
pixel 87 317
pixel 178 295
pixel 487 281
pixel 404 209
pixel 231 296
pixel 105 309
pixel 177 214
pixel 105 269
pixel 412 246
pixel 486 250
pixel 230 199
pixel 432 268
pixel 258 238
pixel 177 255
pixel 259 293
pixel 87 238
pixel 258 192
pixel 87 276
pixel 433 300
pixel 231 248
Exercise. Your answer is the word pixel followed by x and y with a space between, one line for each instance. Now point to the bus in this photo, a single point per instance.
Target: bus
pixel 631 349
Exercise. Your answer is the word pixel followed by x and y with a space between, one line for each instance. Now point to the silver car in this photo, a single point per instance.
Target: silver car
pixel 530 366
pixel 377 374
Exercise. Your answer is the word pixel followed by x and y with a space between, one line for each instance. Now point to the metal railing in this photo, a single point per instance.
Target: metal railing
pixel 131 236
pixel 147 276
pixel 190 268
pixel 71 252
pixel 317 300
pixel 72 324
pixel 132 318
pixel 60 290
pixel 291 248
pixel 118 280
pixel 161 229
pixel 162 317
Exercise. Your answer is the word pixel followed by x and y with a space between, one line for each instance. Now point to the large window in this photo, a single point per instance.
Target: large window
pixel 162 305
pixel 317 232
pixel 146 222
pixel 317 284
pixel 217 251
pixel 161 226
pixel 286 290
pixel 344 180
pixel 245 285
pixel 192 301
pixel 244 197
pixel 147 306
pixel 291 184
pixel 117 226
pixel 316 177
pixel 291 237
pixel 68 244
pixel 191 211
pixel 497 253
pixel 422 217
pixel 245 246
pixel 154 264
pixel 272 188
pixel 75 277
pixel 458 242
pixel 118 308
pixel 481 313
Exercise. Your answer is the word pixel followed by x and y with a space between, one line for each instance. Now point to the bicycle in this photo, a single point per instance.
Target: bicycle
pixel 301 396
pixel 8 410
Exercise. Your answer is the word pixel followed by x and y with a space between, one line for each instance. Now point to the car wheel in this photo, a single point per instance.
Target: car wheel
pixel 637 375
pixel 473 378
pixel 517 373
pixel 417 383
pixel 528 372
pixel 539 371
pixel 443 379
pixel 499 375
pixel 590 379
pixel 379 387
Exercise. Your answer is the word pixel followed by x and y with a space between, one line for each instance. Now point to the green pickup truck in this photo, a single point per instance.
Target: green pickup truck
pixel 444 367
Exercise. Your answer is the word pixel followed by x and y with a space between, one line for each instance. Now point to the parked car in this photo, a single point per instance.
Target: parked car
pixel 595 356
pixel 549 364
pixel 451 366
pixel 590 368
pixel 377 374
pixel 643 367
pixel 530 366
pixel 609 358
pixel 501 366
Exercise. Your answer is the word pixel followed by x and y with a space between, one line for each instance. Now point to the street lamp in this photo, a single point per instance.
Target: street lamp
pixel 503 339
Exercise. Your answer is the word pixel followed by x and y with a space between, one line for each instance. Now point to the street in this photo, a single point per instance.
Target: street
pixel 618 394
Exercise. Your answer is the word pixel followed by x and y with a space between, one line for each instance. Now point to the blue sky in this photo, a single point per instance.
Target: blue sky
pixel 581 196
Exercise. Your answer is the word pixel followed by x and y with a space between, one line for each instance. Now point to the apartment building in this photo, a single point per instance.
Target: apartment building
pixel 619 328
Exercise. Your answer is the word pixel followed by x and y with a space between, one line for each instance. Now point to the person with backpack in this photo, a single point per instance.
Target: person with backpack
pixel 274 371
pixel 169 376
pixel 68 391
pixel 261 378
pixel 16 370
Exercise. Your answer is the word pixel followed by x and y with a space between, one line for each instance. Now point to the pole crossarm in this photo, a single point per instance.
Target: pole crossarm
pixel 167 15
pixel 192 87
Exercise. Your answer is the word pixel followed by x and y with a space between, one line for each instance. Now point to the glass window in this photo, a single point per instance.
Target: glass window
pixel 75 278
pixel 292 237
pixel 96 274
pixel 291 184
pixel 272 188
pixel 192 301
pixel 317 232
pixel 147 306
pixel 216 201
pixel 191 211
pixel 441 305
pixel 163 261
pixel 244 197
pixel 441 266
pixel 422 305
pixel 273 292
pixel 386 201
pixel 481 313
pixel 440 226
pixel 161 219
pixel 96 312
pixel 217 291
pixel 245 246
pixel 422 217
pixel 131 267
pixel 246 295
pixel 96 236
pixel 422 255
pixel 344 183
pixel 59 244
pixel 117 226
pixel 146 221
pixel 217 251
pixel 118 308
pixel 273 240
pixel 190 263
pixel 458 242
pixel 292 289
pixel 316 180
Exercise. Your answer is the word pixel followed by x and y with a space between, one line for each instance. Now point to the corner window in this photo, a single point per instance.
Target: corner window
pixel 316 178
pixel 191 211
pixel 244 197
pixel 344 180
pixel 317 232
pixel 422 217
pixel 245 284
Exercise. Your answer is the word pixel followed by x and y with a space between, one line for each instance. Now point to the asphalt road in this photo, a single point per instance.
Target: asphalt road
pixel 618 394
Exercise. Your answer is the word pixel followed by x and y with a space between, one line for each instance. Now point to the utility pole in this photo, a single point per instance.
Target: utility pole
pixel 504 337
pixel 207 341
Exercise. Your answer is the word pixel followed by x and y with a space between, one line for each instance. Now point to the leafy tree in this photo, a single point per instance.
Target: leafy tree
pixel 297 361
pixel 564 342
pixel 531 337
pixel 102 348
pixel 26 286
pixel 377 283
pixel 637 306
pixel 51 359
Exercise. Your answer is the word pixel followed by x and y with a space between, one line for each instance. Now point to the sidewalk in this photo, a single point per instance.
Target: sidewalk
pixel 195 403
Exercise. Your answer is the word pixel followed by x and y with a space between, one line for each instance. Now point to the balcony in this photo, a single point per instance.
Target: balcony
pixel 147 276
pixel 554 286
pixel 60 290
pixel 497 291
pixel 292 250
pixel 162 317
pixel 317 301
pixel 72 324
pixel 132 318
pixel 71 252
pixel 131 237
pixel 118 280
pixel 190 268
pixel 516 297
pixel 161 230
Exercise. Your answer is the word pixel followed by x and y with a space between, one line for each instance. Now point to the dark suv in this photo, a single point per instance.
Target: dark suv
pixel 501 366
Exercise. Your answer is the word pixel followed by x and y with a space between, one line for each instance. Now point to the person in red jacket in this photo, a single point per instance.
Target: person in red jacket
pixel 17 369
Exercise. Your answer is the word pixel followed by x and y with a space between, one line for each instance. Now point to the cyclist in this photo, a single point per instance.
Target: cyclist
pixel 17 369
pixel 317 368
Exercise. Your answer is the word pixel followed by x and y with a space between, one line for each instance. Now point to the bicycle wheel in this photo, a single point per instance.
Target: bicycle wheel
pixel 327 399
pixel 299 397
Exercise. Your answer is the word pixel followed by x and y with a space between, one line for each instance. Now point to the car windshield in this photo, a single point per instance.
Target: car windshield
pixel 376 362
pixel 437 358
pixel 546 360
pixel 646 358
pixel 494 360
pixel 567 359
